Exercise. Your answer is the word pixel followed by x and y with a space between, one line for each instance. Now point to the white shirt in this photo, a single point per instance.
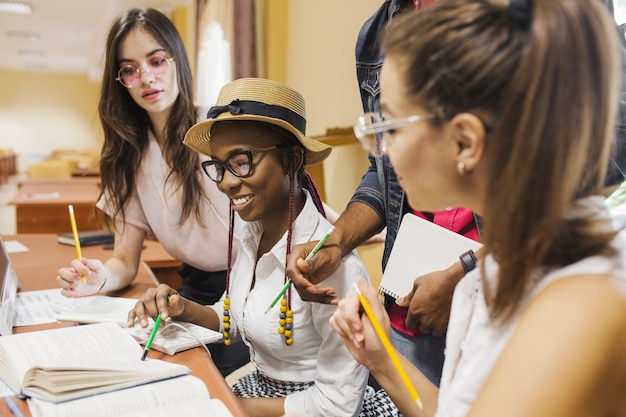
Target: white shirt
pixel 474 345
pixel 317 353
pixel 155 207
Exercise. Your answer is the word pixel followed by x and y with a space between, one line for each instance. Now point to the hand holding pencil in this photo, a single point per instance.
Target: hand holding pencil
pixel 366 344
pixel 92 272
pixel 311 254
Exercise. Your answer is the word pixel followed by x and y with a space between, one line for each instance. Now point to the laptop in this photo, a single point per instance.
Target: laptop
pixel 8 291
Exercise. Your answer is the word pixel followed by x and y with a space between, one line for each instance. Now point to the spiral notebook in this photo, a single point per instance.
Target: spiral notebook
pixel 421 247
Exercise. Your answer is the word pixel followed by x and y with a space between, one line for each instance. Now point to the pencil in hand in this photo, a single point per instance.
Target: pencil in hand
pixel 308 258
pixel 79 254
pixel 388 347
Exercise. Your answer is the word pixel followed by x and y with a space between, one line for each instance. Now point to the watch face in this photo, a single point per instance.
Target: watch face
pixel 468 260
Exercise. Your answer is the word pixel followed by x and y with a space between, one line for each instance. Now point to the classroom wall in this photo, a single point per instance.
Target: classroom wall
pixel 320 64
pixel 40 112
pixel 312 50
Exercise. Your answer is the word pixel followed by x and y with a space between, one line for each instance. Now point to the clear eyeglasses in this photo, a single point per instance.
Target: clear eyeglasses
pixel 238 163
pixel 370 127
pixel 129 75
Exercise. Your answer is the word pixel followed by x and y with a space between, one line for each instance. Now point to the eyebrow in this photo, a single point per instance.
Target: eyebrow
pixel 148 55
pixel 231 153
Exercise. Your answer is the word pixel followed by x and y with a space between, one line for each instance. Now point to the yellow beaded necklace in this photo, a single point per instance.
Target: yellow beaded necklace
pixel 226 317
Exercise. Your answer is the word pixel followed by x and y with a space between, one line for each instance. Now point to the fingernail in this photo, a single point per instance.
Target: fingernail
pixel 399 300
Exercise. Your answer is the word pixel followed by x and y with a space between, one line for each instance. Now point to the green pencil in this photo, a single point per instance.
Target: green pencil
pixel 157 323
pixel 308 257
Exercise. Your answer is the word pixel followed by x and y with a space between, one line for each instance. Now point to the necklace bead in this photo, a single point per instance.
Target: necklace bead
pixel 285 321
pixel 226 319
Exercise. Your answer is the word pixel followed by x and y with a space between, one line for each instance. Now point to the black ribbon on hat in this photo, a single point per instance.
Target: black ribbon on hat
pixel 520 11
pixel 257 108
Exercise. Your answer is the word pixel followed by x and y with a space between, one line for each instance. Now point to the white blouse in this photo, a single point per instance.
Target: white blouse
pixel 317 353
pixel 474 345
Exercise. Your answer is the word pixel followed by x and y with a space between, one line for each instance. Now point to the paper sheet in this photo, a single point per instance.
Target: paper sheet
pixel 36 307
pixel 15 246
pixel 5 391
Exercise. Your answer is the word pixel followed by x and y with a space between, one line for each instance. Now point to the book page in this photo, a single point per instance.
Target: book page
pixel 196 408
pixel 94 309
pixel 36 307
pixel 59 384
pixel 176 391
pixel 171 338
pixel 5 390
pixel 65 346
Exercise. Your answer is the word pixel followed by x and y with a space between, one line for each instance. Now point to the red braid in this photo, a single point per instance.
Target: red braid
pixel 309 185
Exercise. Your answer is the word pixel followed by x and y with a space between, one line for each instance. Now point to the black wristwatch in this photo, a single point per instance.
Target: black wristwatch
pixel 468 260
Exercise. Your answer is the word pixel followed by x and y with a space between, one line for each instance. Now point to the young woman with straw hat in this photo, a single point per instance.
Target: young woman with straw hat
pixel 257 152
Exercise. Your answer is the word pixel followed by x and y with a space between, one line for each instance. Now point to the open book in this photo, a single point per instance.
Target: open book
pixel 171 338
pixel 421 247
pixel 175 336
pixel 73 362
pixel 185 396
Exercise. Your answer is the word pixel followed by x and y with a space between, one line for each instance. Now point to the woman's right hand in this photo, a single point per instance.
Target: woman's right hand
pixel 307 274
pixel 163 300
pixel 356 330
pixel 71 279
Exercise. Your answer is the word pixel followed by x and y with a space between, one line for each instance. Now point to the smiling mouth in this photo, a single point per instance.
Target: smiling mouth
pixel 241 200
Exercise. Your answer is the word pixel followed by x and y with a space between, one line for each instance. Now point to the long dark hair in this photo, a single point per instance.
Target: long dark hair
pixel 126 124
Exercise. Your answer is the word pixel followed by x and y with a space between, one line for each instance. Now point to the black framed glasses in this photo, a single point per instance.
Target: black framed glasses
pixel 238 163
pixel 129 75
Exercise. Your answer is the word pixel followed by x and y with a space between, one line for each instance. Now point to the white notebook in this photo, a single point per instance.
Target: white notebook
pixel 421 247
pixel 101 308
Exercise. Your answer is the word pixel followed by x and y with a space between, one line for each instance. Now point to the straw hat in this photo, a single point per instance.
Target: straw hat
pixel 260 100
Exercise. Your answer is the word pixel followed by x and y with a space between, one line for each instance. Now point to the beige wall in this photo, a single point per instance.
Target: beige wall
pixel 41 112
pixel 315 55
pixel 320 64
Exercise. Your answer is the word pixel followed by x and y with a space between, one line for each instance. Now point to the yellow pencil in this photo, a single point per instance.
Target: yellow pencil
pixel 75 233
pixel 390 350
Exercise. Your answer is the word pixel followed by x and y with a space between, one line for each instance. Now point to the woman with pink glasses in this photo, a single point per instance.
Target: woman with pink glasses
pixel 151 184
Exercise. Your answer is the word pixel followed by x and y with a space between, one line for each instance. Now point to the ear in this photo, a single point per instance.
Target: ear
pixel 469 136
pixel 298 157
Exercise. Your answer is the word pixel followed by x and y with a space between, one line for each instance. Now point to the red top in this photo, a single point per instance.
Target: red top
pixel 458 220
pixel 420 4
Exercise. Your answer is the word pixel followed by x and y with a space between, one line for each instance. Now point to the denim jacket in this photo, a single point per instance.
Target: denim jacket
pixel 379 187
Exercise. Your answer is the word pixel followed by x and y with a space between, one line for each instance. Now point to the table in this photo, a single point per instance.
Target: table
pixel 37 269
pixel 41 204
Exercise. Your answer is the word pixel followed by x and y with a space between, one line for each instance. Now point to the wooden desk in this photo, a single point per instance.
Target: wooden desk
pixel 154 256
pixel 37 269
pixel 41 205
